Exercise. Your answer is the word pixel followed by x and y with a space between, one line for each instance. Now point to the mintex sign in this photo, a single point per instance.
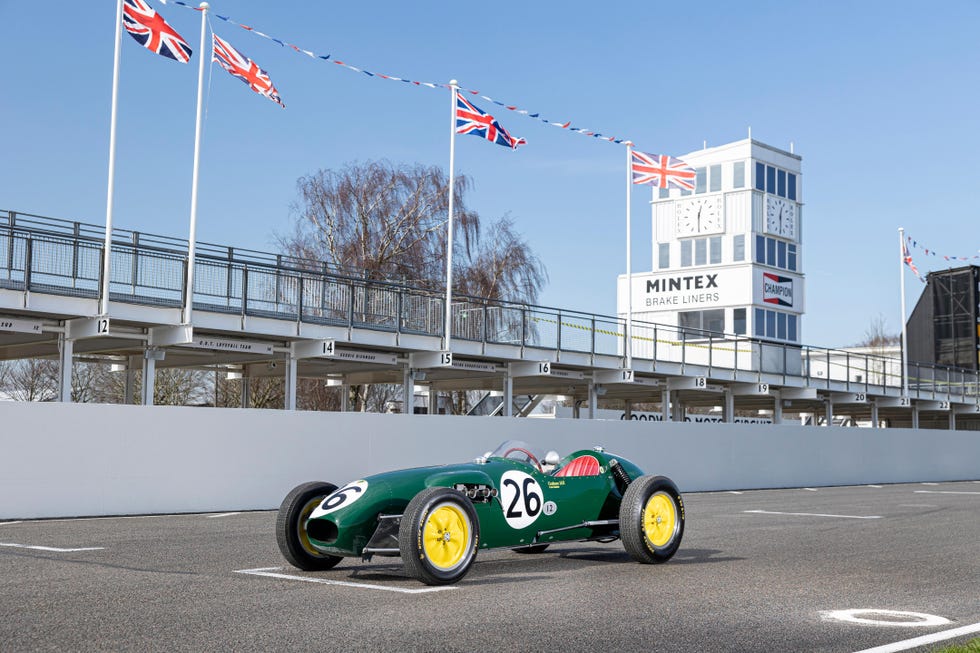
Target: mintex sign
pixel 776 289
pixel 689 290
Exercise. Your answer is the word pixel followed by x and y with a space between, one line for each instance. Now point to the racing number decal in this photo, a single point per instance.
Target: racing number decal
pixel 341 498
pixel 521 498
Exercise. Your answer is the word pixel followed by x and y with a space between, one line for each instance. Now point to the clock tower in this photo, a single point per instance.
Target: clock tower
pixel 727 256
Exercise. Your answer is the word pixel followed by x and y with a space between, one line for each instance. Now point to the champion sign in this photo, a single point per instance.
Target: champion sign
pixel 776 289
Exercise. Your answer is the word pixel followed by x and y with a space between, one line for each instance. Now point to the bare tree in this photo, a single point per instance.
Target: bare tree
pixel 876 335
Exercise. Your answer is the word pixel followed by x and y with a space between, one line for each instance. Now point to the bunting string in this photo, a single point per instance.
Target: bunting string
pixel 566 125
pixel 932 252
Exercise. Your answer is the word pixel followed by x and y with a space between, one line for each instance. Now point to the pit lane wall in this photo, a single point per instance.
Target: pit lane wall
pixel 66 460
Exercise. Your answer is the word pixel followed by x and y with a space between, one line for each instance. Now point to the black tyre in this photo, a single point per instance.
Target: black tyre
pixel 439 536
pixel 651 519
pixel 291 534
pixel 533 548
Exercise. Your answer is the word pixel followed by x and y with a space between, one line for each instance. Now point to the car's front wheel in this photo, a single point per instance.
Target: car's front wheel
pixel 439 536
pixel 651 519
pixel 294 541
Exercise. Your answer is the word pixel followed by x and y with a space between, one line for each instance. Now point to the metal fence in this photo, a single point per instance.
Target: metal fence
pixel 50 255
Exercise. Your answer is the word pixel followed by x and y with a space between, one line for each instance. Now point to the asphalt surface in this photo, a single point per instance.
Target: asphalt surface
pixel 742 581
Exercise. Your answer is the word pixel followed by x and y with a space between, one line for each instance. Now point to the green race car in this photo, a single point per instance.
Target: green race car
pixel 516 497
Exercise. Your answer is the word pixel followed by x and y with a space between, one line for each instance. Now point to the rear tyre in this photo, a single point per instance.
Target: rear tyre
pixel 294 542
pixel 651 519
pixel 439 536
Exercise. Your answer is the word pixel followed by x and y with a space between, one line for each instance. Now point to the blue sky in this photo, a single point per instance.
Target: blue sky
pixel 879 98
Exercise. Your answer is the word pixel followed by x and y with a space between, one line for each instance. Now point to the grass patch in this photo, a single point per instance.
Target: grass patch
pixel 973 646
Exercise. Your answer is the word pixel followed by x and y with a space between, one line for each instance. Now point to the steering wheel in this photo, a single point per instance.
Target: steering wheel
pixel 531 457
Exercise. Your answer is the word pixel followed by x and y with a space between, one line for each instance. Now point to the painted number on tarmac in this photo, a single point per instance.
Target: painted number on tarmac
pixel 521 498
pixel 341 498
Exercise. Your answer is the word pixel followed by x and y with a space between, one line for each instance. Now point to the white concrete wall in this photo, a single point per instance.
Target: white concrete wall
pixel 60 460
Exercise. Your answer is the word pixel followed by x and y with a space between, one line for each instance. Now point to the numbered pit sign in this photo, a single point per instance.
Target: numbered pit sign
pixel 521 499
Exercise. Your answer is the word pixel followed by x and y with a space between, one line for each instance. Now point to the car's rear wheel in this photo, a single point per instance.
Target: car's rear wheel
pixel 651 519
pixel 439 536
pixel 294 541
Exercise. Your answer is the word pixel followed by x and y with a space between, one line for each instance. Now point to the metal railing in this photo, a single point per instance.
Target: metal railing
pixel 49 255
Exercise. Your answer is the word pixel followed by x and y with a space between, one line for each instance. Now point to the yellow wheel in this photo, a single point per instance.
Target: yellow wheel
pixel 651 519
pixel 294 541
pixel 438 536
pixel 660 519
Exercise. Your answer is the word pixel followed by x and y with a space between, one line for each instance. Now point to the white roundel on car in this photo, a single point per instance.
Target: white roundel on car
pixel 342 498
pixel 521 498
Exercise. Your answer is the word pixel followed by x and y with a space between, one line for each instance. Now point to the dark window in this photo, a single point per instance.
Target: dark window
pixel 714 178
pixel 700 251
pixel 760 325
pixel 791 328
pixel 781 326
pixel 714 320
pixel 664 255
pixel 791 186
pixel 770 324
pixel 781 254
pixel 738 321
pixel 791 257
pixel 738 247
pixel 760 176
pixel 685 253
pixel 664 193
pixel 770 251
pixel 781 183
pixel 770 180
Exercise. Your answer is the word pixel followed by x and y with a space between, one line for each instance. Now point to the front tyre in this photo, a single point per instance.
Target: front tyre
pixel 294 542
pixel 439 536
pixel 651 519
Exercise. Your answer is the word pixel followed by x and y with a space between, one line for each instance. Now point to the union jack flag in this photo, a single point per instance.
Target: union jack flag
pixel 245 69
pixel 907 257
pixel 661 170
pixel 154 33
pixel 471 120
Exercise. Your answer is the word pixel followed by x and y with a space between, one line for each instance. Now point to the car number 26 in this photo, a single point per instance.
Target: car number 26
pixel 521 498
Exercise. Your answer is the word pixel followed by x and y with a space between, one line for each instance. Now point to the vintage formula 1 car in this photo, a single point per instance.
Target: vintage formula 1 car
pixel 516 497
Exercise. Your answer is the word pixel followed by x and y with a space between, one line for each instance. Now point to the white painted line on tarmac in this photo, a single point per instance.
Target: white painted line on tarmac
pixel 930 484
pixel 874 486
pixel 887 618
pixel 811 514
pixel 924 640
pixel 270 572
pixel 810 489
pixel 943 492
pixel 734 492
pixel 51 548
pixel 224 514
pixel 8 523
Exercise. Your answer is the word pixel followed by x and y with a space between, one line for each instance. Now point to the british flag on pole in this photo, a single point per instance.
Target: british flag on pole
pixel 471 120
pixel 154 33
pixel 245 69
pixel 662 171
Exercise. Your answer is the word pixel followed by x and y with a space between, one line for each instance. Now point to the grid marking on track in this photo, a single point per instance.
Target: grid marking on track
pixel 271 572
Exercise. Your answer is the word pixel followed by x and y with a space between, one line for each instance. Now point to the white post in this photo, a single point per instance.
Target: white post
pixel 192 237
pixel 107 247
pixel 453 86
pixel 628 341
pixel 905 340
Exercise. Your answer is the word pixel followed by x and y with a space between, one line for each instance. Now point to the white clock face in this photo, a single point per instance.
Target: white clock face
pixel 788 223
pixel 775 210
pixel 699 216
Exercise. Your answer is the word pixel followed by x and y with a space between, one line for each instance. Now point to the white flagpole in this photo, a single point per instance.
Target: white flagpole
pixel 192 237
pixel 107 247
pixel 628 341
pixel 905 339
pixel 453 85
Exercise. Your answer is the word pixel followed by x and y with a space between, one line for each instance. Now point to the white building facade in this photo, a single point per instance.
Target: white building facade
pixel 727 256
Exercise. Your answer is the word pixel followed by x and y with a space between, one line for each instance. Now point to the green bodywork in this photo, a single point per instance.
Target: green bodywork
pixel 571 501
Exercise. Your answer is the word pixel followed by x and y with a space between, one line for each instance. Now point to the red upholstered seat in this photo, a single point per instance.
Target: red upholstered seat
pixel 581 466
